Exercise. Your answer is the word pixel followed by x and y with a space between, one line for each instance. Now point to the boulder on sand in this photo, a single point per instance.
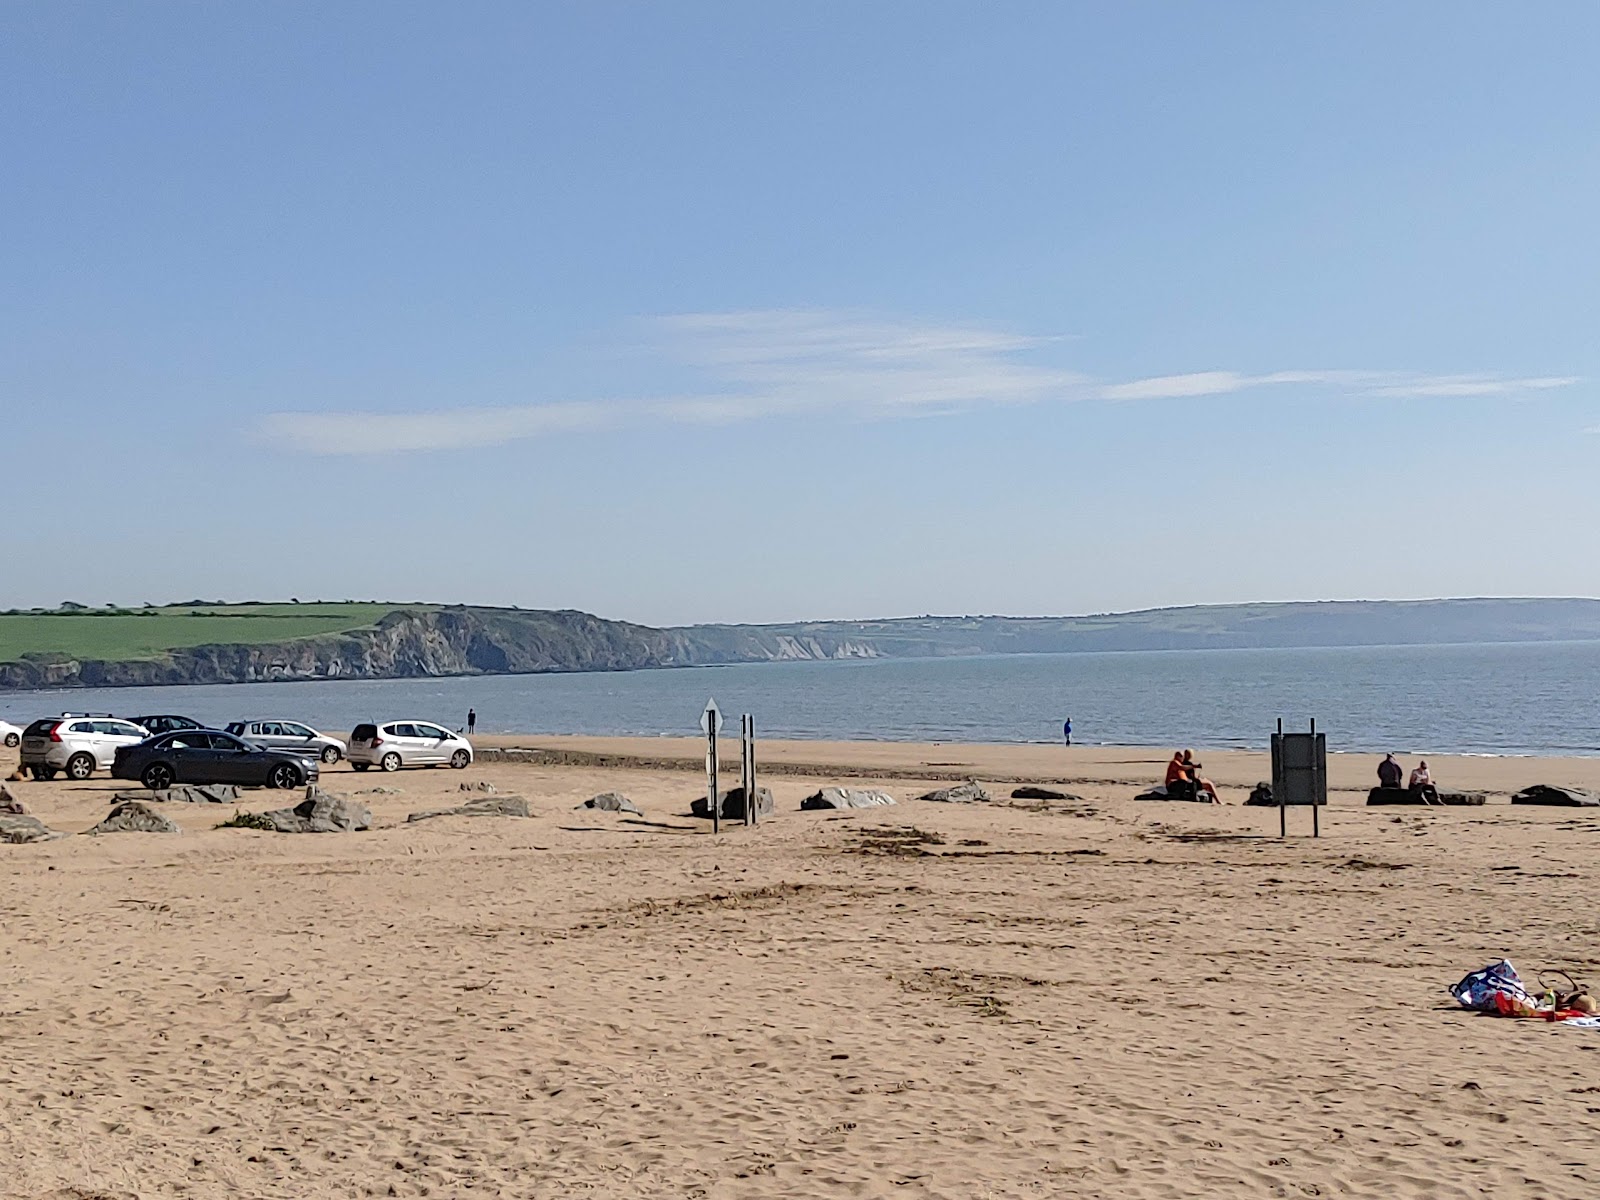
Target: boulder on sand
pixel 321 812
pixel 135 816
pixel 970 792
pixel 19 829
pixel 1031 792
pixel 187 793
pixel 733 804
pixel 612 802
pixel 483 806
pixel 838 797
pixel 1388 795
pixel 1560 797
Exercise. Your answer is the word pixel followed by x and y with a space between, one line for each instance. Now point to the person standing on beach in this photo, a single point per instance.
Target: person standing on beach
pixel 1066 731
pixel 472 721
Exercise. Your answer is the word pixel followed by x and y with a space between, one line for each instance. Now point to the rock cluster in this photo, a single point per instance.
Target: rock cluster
pixel 321 812
pixel 969 792
pixel 10 804
pixel 20 829
pixel 1561 797
pixel 483 806
pixel 733 804
pixel 838 797
pixel 135 816
pixel 187 793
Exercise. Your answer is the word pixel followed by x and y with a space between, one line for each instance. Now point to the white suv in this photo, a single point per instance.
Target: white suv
pixel 397 744
pixel 77 743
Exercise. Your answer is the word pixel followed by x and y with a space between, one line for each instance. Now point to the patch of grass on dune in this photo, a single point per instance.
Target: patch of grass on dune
pixel 124 635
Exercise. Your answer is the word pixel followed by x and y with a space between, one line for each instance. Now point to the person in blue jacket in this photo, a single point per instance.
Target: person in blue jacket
pixel 1066 731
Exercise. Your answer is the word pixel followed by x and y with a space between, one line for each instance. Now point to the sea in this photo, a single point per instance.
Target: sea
pixel 1501 699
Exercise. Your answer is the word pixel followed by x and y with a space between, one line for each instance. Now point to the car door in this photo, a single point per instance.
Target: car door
pixel 300 739
pixel 192 757
pixel 436 743
pixel 264 733
pixel 234 760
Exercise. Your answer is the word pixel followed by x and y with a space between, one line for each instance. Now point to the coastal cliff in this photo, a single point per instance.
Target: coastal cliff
pixel 421 641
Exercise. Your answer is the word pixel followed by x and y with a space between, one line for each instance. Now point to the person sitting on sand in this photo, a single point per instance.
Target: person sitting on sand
pixel 1176 771
pixel 1192 772
pixel 1389 772
pixel 1422 781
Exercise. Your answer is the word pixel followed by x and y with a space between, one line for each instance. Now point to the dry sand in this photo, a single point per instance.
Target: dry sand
pixel 1084 998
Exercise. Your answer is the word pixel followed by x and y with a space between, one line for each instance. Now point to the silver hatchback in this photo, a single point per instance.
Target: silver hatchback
pixel 290 735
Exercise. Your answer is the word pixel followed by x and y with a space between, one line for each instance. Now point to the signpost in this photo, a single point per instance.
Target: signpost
pixel 1300 774
pixel 711 725
pixel 747 766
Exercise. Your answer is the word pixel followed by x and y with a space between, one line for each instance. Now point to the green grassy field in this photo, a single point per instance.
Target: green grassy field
pixel 114 637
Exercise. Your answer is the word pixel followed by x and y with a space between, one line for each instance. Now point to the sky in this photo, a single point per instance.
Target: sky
pixel 691 312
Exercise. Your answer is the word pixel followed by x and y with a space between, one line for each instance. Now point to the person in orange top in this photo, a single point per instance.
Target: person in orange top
pixel 1176 771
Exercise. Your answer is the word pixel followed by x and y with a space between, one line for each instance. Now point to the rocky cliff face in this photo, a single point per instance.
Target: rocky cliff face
pixel 405 644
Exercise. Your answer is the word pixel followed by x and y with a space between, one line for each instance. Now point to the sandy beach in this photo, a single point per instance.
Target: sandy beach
pixel 1084 997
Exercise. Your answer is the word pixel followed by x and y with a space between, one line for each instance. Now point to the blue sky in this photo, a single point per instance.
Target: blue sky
pixel 681 311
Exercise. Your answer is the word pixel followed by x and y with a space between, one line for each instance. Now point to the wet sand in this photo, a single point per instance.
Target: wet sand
pixel 1088 997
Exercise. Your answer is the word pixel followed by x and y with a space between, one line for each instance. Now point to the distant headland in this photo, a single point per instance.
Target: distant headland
pixel 199 642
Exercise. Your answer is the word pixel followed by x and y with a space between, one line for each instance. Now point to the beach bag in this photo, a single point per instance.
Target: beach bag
pixel 1496 989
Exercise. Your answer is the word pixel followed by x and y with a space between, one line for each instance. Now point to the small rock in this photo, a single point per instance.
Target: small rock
pixel 10 804
pixel 965 793
pixel 20 829
pixel 135 816
pixel 378 791
pixel 321 812
pixel 483 785
pixel 487 806
pixel 1041 793
pixel 612 802
pixel 838 797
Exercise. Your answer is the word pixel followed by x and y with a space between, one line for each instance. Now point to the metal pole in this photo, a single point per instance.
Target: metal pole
pixel 1283 812
pixel 711 778
pixel 1317 789
pixel 750 792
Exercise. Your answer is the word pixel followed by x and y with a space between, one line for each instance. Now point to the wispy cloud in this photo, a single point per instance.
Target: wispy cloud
pixel 746 366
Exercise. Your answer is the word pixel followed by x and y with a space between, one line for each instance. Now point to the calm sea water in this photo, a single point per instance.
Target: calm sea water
pixel 1525 698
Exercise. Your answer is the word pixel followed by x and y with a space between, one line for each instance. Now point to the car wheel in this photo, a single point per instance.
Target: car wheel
pixel 13 738
pixel 460 759
pixel 359 766
pixel 80 766
pixel 390 761
pixel 158 777
pixel 330 754
pixel 284 776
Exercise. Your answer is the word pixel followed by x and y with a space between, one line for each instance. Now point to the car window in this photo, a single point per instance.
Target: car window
pixel 81 727
pixel 293 730
pixel 431 731
pixel 187 741
pixel 403 730
pixel 267 728
pixel 222 741
pixel 124 729
pixel 364 733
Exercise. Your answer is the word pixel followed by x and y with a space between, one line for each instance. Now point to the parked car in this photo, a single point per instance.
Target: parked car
pixel 211 756
pixel 10 734
pixel 397 744
pixel 290 735
pixel 77 743
pixel 166 724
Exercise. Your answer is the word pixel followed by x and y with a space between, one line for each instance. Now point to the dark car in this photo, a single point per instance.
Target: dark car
pixel 166 724
pixel 210 756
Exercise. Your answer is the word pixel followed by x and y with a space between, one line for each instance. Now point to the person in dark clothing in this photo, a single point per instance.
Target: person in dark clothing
pixel 1389 772
pixel 472 720
pixel 1066 731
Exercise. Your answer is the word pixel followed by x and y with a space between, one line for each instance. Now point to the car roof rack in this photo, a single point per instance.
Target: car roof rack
pixel 90 714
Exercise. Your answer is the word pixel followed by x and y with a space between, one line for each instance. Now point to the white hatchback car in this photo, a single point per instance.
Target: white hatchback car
pixel 10 735
pixel 77 743
pixel 397 744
